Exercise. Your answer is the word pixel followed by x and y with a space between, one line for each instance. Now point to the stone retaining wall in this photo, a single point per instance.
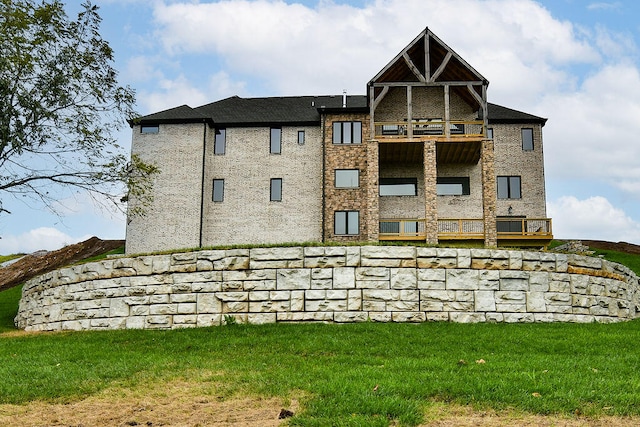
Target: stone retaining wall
pixel 329 284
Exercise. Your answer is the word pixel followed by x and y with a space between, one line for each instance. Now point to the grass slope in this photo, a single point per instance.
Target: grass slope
pixel 354 374
pixel 9 300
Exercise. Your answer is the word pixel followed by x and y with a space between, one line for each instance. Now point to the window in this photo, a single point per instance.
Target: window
pixel 300 137
pixel 219 146
pixel 453 186
pixel 347 178
pixel 509 187
pixel 347 223
pixel 276 140
pixel 276 189
pixel 347 132
pixel 218 190
pixel 398 186
pixel 489 133
pixel 149 128
pixel 527 139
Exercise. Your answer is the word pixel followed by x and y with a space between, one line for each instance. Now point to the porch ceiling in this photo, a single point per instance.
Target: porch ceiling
pixel 467 152
pixel 404 152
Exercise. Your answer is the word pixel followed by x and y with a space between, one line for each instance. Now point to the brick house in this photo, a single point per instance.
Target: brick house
pixel 422 156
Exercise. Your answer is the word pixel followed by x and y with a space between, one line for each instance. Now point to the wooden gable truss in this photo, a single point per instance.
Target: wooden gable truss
pixel 428 61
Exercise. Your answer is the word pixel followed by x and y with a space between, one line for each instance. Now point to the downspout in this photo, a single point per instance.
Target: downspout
pixel 204 158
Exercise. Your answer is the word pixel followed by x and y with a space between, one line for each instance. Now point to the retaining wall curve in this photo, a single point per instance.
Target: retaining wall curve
pixel 329 284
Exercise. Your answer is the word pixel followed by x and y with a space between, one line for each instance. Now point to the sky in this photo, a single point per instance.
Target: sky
pixel 575 62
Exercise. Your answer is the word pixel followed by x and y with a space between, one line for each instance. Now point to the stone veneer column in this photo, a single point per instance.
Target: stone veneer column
pixel 373 197
pixel 350 156
pixel 430 199
pixel 489 195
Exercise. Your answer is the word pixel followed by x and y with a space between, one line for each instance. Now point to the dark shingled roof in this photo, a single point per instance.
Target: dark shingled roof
pixel 500 114
pixel 181 114
pixel 299 110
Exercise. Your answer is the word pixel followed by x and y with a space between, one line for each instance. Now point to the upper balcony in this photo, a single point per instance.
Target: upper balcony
pixel 459 141
pixel 429 129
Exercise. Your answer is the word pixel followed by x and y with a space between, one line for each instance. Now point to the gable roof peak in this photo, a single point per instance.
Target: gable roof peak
pixel 427 59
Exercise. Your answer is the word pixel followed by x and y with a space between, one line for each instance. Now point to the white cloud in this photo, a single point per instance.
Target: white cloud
pixel 605 6
pixel 594 218
pixel 593 131
pixel 298 49
pixel 43 238
pixel 173 93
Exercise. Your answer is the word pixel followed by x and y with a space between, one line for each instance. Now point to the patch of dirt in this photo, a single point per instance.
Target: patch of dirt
pixel 175 404
pixel 629 248
pixel 39 263
pixel 190 404
pixel 444 415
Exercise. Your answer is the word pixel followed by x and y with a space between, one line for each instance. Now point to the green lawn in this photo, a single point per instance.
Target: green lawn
pixel 9 300
pixel 538 368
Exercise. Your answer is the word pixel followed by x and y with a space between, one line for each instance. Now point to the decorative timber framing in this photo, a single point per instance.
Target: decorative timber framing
pixel 427 62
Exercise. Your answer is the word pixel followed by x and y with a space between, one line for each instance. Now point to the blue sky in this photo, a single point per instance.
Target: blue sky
pixel 575 62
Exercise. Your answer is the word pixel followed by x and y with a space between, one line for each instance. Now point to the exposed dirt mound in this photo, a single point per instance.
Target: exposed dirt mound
pixel 629 248
pixel 40 263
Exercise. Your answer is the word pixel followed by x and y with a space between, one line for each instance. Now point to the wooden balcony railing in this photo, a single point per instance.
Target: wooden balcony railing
pixel 429 129
pixel 402 229
pixel 517 228
pixel 451 229
pixel 466 229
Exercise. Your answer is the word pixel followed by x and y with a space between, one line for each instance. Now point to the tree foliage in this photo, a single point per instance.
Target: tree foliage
pixel 61 105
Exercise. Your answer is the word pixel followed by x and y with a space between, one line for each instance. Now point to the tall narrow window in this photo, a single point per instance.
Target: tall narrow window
pixel 489 133
pixel 276 140
pixel 347 132
pixel 509 187
pixel 347 223
pixel 527 139
pixel 218 190
pixel 347 178
pixel 300 137
pixel 276 189
pixel 220 144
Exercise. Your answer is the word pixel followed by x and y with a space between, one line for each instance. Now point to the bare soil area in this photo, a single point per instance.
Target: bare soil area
pixel 184 404
pixel 39 263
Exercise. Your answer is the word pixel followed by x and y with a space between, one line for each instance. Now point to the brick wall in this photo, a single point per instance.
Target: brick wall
pixel 510 160
pixel 247 215
pixel 173 219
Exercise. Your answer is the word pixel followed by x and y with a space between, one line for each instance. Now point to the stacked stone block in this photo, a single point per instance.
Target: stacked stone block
pixel 329 284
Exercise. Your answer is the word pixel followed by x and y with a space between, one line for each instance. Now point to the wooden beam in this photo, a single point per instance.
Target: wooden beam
pixel 447 113
pixel 409 113
pixel 376 101
pixel 427 83
pixel 427 55
pixel 441 68
pixel 413 67
pixel 473 93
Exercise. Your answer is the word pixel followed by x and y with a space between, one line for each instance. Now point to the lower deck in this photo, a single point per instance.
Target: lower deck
pixel 510 232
